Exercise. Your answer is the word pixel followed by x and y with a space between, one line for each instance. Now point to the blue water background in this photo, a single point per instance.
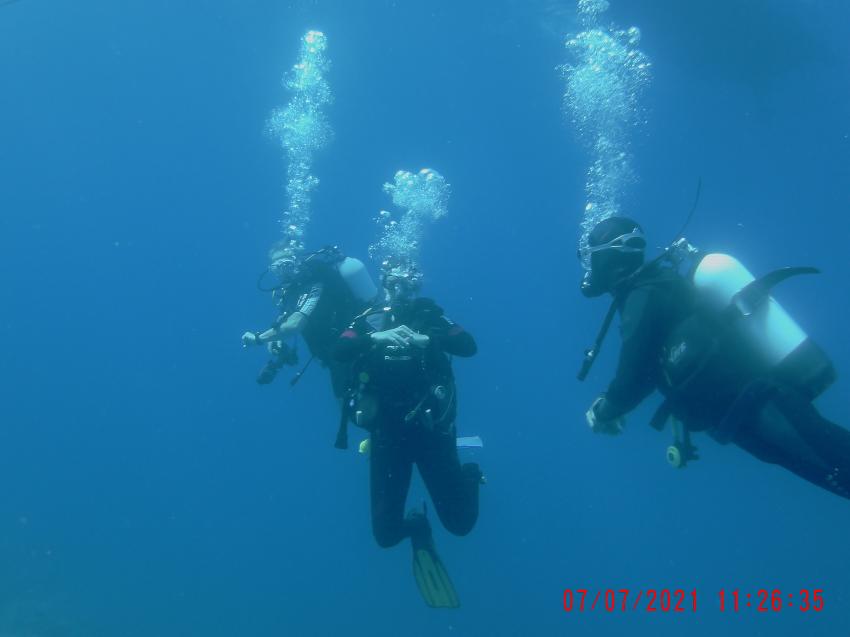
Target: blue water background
pixel 148 487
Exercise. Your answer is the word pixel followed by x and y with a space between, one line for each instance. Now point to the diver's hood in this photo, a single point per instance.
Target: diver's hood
pixel 615 249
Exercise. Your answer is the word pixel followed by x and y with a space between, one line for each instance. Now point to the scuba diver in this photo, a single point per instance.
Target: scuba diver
pixel 404 395
pixel 317 297
pixel 727 358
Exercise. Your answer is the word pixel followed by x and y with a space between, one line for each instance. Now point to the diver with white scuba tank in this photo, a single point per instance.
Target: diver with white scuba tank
pixel 727 358
pixel 317 296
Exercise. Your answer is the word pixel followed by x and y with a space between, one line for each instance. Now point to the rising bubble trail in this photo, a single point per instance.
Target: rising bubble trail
pixel 605 80
pixel 421 198
pixel 302 128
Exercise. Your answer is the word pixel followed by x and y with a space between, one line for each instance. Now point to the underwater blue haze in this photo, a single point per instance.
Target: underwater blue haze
pixel 150 488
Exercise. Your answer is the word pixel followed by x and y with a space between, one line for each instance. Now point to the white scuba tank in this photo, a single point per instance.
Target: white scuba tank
pixel 776 339
pixel 357 278
pixel 770 329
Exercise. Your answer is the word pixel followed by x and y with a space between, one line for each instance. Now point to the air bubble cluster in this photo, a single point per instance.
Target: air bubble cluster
pixel 302 129
pixel 604 85
pixel 421 198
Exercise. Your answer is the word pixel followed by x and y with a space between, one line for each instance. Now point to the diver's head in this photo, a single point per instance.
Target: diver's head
pixel 616 247
pixel 402 283
pixel 284 263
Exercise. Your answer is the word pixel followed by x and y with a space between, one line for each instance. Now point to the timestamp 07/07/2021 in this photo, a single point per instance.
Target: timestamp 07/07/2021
pixel 666 600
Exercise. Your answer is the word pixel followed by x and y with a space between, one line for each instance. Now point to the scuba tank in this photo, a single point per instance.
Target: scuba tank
pixel 718 278
pixel 330 261
pixel 733 348
pixel 735 344
pixel 752 322
pixel 357 279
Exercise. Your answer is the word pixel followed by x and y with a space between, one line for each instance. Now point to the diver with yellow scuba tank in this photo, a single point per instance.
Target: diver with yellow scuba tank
pixel 727 358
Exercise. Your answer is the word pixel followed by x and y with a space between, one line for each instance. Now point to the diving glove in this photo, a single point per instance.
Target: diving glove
pixel 610 427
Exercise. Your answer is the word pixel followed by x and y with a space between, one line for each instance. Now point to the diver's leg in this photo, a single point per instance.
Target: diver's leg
pixel 390 469
pixel 790 432
pixel 453 488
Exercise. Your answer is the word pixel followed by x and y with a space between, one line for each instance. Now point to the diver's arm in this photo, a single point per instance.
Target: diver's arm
pixel 641 326
pixel 308 303
pixel 294 323
pixel 297 321
pixel 361 337
pixel 455 340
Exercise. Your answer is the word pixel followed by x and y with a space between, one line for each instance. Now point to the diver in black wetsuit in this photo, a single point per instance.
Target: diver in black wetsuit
pixel 713 378
pixel 404 394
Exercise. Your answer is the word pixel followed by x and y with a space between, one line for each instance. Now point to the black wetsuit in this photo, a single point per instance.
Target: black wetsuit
pixel 757 411
pixel 406 398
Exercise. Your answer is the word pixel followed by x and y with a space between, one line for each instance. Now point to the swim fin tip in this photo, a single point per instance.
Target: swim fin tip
pixel 433 580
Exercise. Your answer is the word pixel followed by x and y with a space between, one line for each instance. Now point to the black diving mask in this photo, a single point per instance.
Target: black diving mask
pixel 633 241
pixel 612 261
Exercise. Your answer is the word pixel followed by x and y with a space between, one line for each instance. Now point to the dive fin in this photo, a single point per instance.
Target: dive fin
pixel 431 576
